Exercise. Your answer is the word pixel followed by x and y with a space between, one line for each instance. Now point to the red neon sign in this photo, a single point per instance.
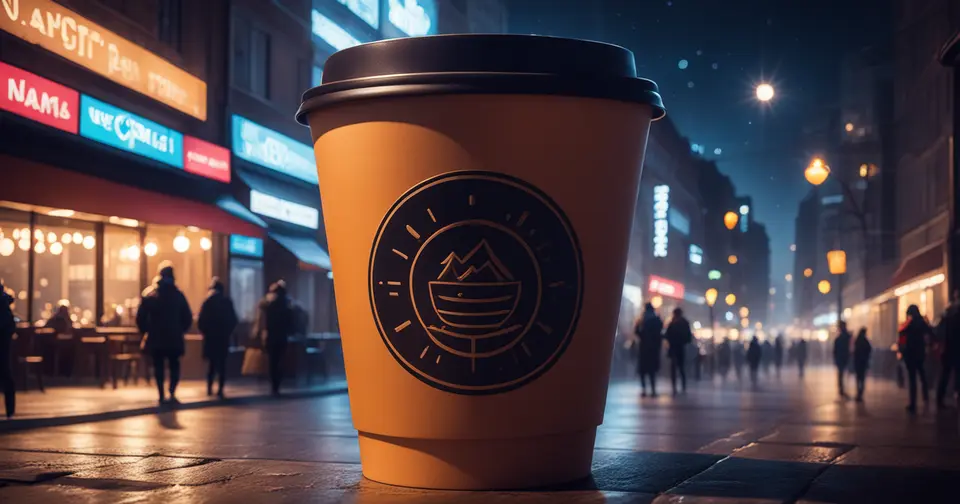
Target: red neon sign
pixel 665 287
pixel 206 159
pixel 39 99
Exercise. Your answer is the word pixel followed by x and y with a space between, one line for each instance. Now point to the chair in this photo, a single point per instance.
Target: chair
pixel 29 352
pixel 122 359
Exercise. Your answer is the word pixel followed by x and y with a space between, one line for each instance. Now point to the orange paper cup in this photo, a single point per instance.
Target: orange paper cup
pixel 478 193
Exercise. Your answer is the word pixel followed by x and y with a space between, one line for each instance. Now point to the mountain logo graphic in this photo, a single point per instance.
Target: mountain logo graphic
pixel 474 296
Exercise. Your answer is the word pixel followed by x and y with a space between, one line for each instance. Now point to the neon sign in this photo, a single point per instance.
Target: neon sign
pixel 661 227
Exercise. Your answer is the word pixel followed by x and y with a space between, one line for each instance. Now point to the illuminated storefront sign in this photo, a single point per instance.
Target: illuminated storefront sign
pixel 331 32
pixel 661 211
pixel 61 31
pixel 272 150
pixel 664 287
pixel 118 128
pixel 714 275
pixel 696 254
pixel 367 10
pixel 246 246
pixel 39 99
pixel 287 211
pixel 413 17
pixel 206 159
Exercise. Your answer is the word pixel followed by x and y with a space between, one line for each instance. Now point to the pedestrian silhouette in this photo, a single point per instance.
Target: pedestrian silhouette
pixel 8 327
pixel 949 350
pixel 738 358
pixel 754 355
pixel 801 355
pixel 861 361
pixel 841 355
pixel 915 334
pixel 164 317
pixel 275 324
pixel 216 322
pixel 778 354
pixel 766 356
pixel 679 336
pixel 649 329
pixel 724 357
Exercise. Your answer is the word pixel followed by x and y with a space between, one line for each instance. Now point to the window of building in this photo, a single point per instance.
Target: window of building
pixel 246 287
pixel 188 251
pixel 251 58
pixel 15 257
pixel 65 269
pixel 169 22
pixel 121 279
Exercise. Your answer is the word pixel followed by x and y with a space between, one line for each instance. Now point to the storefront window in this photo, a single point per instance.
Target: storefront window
pixel 121 280
pixel 188 250
pixel 14 231
pixel 246 287
pixel 64 269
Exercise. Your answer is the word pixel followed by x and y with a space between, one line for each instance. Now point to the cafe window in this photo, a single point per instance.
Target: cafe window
pixel 188 251
pixel 246 287
pixel 168 26
pixel 121 281
pixel 15 257
pixel 65 269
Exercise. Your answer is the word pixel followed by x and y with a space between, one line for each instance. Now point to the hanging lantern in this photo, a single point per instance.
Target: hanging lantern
pixel 730 220
pixel 837 261
pixel 817 172
pixel 711 296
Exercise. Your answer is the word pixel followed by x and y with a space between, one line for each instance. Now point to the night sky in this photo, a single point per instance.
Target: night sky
pixel 729 46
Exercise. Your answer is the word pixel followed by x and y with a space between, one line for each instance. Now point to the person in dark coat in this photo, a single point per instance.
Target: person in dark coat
pixel 649 330
pixel 915 334
pixel 841 355
pixel 778 354
pixel 861 361
pixel 724 357
pixel 164 317
pixel 754 355
pixel 276 323
pixel 801 355
pixel 678 336
pixel 216 322
pixel 8 327
pixel 950 351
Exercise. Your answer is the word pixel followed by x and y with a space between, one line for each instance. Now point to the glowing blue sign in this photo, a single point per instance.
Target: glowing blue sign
pixel 331 32
pixel 246 246
pixel 272 150
pixel 367 10
pixel 661 209
pixel 118 128
pixel 744 212
pixel 413 17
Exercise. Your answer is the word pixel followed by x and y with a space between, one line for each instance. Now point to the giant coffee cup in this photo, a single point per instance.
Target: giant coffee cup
pixel 478 194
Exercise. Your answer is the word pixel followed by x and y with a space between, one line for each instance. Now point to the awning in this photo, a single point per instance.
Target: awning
pixel 919 264
pixel 308 251
pixel 234 208
pixel 39 184
pixel 295 192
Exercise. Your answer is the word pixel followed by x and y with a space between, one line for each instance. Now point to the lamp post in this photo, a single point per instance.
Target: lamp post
pixel 816 174
pixel 837 262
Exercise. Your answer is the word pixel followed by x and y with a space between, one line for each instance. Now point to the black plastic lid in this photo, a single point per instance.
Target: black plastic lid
pixel 482 64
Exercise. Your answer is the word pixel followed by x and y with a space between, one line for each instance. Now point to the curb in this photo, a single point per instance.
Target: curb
pixel 14 424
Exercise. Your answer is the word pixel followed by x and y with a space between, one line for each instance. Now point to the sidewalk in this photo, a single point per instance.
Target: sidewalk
pixel 78 404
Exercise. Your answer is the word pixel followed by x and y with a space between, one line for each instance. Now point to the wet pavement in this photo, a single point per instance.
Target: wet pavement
pixel 787 441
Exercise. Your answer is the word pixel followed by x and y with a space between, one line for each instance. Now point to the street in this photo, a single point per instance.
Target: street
pixel 787 441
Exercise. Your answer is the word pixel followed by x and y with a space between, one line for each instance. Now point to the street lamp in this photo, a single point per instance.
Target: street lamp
pixel 744 312
pixel 731 299
pixel 808 272
pixel 817 172
pixel 711 297
pixel 837 263
pixel 824 286
pixel 732 259
pixel 730 220
pixel 765 92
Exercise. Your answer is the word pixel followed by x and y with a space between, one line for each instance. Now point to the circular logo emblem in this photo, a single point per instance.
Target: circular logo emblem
pixel 476 282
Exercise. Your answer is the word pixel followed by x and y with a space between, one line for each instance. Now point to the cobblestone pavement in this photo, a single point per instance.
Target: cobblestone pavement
pixel 787 441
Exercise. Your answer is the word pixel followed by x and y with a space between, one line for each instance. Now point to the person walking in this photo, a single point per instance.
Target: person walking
pixel 8 327
pixel 276 323
pixel 679 335
pixel 766 356
pixel 949 351
pixel 738 358
pixel 841 355
pixel 649 330
pixel 164 317
pixel 861 361
pixel 778 354
pixel 754 355
pixel 216 322
pixel 915 334
pixel 801 355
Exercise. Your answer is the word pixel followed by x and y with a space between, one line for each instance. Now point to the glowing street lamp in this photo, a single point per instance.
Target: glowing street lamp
pixel 765 92
pixel 711 296
pixel 808 272
pixel 731 299
pixel 837 261
pixel 788 277
pixel 732 259
pixel 824 286
pixel 730 220
pixel 817 172
pixel 744 312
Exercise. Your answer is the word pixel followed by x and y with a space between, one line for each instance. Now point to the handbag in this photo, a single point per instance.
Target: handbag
pixel 254 362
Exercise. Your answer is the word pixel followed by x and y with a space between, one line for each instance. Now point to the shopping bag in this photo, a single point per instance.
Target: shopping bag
pixel 254 362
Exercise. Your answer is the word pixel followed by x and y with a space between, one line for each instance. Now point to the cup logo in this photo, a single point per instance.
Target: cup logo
pixel 476 282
